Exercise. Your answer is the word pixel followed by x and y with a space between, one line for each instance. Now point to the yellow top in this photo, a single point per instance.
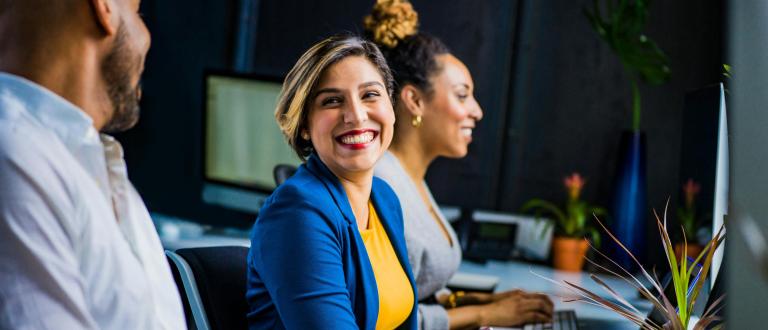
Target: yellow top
pixel 395 292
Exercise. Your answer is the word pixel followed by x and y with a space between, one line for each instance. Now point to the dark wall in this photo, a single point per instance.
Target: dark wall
pixel 554 96
pixel 571 101
pixel 163 151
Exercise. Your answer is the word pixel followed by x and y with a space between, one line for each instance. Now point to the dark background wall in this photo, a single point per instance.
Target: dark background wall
pixel 555 97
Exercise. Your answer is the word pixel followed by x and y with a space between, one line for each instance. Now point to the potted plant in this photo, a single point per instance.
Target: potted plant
pixel 676 316
pixel 620 24
pixel 569 246
pixel 689 222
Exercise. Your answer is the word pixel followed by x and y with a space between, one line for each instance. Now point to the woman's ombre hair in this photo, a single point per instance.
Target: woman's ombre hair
pixel 299 85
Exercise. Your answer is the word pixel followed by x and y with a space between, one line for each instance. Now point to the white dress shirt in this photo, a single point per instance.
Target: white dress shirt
pixel 78 249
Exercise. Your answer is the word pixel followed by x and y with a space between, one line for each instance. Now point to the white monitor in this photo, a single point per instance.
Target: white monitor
pixel 720 207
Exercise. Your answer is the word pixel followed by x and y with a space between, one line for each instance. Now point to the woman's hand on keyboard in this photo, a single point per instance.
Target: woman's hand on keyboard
pixel 517 307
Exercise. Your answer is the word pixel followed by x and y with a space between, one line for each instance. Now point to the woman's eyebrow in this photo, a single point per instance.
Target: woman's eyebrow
pixel 329 90
pixel 370 83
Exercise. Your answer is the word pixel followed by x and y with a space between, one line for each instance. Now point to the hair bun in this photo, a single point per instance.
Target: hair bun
pixel 391 21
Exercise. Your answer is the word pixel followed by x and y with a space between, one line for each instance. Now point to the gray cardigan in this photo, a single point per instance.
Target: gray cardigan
pixel 433 259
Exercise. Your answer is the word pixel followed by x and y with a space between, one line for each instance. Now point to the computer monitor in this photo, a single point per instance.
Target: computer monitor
pixel 704 156
pixel 242 142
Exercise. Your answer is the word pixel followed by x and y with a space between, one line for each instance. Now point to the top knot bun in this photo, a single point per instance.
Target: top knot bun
pixel 391 21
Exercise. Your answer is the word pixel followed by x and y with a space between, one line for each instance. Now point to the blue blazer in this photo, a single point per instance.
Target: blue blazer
pixel 308 267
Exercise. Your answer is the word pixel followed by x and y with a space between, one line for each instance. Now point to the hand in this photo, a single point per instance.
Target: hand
pixel 517 308
pixel 506 294
pixel 481 298
pixel 467 299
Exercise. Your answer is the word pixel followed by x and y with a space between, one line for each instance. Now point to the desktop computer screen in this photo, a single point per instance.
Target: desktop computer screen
pixel 242 141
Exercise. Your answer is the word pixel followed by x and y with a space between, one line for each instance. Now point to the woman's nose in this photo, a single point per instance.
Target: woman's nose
pixel 476 112
pixel 355 113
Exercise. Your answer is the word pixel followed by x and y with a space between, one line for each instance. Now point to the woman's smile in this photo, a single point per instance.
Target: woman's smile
pixel 357 139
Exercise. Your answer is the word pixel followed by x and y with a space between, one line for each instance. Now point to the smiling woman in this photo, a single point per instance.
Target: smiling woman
pixel 327 249
pixel 437 112
pixel 351 118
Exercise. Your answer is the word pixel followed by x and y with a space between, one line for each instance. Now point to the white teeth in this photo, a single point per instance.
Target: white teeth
pixel 358 139
pixel 466 131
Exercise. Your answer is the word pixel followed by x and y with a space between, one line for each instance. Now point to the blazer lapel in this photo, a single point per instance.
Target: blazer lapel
pixel 331 182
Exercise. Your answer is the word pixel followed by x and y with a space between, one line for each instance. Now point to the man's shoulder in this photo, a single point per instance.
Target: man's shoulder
pixel 27 146
pixel 32 160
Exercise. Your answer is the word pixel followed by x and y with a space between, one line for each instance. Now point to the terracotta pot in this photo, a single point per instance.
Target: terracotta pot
pixel 569 253
pixel 692 251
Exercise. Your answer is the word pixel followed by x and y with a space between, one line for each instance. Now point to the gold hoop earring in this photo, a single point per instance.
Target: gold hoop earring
pixel 416 121
pixel 305 135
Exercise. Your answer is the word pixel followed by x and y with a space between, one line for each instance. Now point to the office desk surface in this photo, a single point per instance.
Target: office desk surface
pixel 520 275
pixel 175 234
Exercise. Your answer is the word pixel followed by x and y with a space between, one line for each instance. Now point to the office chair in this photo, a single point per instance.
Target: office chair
pixel 282 172
pixel 211 282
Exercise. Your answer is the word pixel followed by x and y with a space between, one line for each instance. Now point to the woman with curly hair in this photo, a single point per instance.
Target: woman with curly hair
pixel 436 113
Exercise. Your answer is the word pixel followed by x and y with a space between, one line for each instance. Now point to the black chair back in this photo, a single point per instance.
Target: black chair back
pixel 282 172
pixel 220 276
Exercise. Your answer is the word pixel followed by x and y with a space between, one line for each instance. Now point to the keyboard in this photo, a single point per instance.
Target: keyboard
pixel 561 320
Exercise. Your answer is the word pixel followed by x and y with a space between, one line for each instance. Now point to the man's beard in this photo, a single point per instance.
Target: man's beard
pixel 116 72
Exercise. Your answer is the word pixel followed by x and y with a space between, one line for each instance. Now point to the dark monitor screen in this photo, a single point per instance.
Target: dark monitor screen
pixel 704 158
pixel 699 145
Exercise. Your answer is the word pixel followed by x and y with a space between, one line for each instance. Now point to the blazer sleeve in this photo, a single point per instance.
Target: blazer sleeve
pixel 298 255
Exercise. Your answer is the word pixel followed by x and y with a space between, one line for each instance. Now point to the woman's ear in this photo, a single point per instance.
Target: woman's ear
pixel 413 100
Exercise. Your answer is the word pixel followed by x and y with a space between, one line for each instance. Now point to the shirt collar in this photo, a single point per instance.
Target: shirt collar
pixel 67 121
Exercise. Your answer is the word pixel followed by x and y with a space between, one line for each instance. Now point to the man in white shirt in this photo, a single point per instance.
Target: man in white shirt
pixel 77 246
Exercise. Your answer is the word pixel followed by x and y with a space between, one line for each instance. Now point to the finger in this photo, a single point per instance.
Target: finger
pixel 535 317
pixel 545 307
pixel 543 297
pixel 511 293
pixel 536 305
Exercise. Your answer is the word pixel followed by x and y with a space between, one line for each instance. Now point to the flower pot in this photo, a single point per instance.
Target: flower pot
pixel 569 253
pixel 692 251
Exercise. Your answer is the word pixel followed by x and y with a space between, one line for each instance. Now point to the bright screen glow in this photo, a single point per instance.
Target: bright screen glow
pixel 243 141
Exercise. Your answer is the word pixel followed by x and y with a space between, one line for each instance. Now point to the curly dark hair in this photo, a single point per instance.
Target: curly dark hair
pixel 393 26
pixel 413 61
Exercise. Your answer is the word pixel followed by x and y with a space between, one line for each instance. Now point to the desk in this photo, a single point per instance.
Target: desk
pixel 176 234
pixel 517 275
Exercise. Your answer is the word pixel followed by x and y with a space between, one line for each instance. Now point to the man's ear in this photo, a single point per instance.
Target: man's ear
pixel 413 100
pixel 103 11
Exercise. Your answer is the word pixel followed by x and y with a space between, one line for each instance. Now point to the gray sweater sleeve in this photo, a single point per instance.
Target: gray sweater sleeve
pixel 433 317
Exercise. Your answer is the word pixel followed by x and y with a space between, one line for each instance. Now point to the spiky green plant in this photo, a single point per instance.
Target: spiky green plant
pixel 620 24
pixel 677 317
